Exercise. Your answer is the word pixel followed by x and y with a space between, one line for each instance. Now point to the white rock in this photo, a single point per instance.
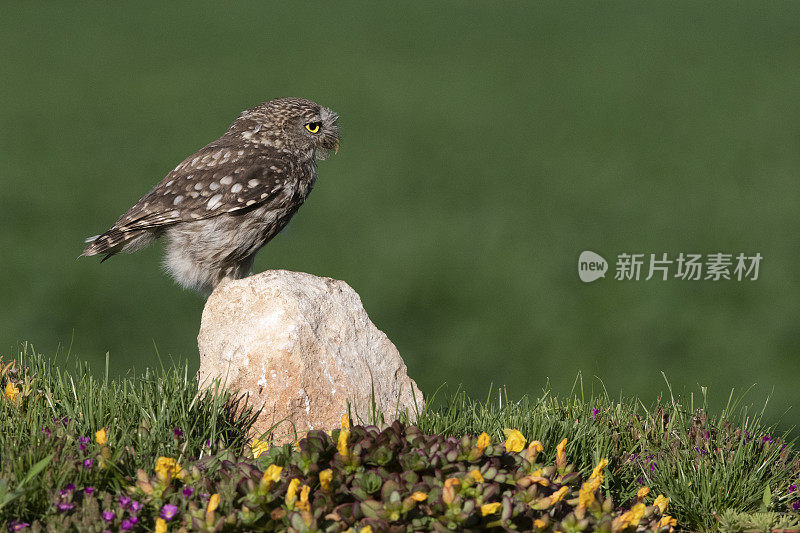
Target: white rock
pixel 301 346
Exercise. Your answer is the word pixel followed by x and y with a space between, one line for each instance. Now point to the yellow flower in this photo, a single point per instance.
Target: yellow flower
pixel 597 473
pixel 534 448
pixel 541 524
pixel 11 392
pixel 561 455
pixel 637 512
pixel 345 421
pixel 449 492
pixel 258 447
pixel 365 530
pixel 291 491
pixel 419 496
pixel 271 475
pixel 213 503
pixel 161 525
pixel 344 434
pixel 632 517
pixel 662 503
pixel 167 467
pixel 515 441
pixel 490 508
pixel 325 478
pixel 667 520
pixel 483 441
pixel 476 475
pixel 101 437
pixel 558 495
pixel 303 503
pixel 641 493
pixel 586 495
pixel 543 481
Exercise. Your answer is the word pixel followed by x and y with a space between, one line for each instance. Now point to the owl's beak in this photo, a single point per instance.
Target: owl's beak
pixel 332 144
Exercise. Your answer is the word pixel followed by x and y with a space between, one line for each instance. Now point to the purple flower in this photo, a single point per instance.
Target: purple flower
pixel 135 506
pixel 595 412
pixel 708 435
pixel 767 438
pixel 208 443
pixel 796 506
pixel 108 516
pixel 701 451
pixel 652 467
pixel 133 519
pixel 70 487
pixel 187 492
pixel 640 480
pixel 46 431
pixel 66 490
pixel 124 501
pixel 16 525
pixel 792 488
pixel 65 506
pixel 88 463
pixel 82 442
pixel 66 420
pixel 177 432
pixel 169 511
pixel 126 525
pixel 88 490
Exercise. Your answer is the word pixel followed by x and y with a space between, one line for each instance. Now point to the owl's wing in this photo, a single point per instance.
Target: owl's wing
pixel 213 181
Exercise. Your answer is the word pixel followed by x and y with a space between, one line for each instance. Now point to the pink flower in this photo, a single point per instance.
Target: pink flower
pixel 168 511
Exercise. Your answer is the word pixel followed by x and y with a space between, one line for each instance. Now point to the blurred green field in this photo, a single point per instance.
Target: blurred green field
pixel 484 147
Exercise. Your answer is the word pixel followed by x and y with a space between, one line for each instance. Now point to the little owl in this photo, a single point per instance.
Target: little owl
pixel 222 204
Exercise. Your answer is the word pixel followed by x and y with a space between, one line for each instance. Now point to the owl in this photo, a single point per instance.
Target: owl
pixel 219 206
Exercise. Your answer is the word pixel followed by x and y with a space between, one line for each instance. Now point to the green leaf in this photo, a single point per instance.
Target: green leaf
pixel 10 496
pixel 36 469
pixel 766 499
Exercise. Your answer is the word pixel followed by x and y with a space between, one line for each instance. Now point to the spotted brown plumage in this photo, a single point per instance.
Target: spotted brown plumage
pixel 219 206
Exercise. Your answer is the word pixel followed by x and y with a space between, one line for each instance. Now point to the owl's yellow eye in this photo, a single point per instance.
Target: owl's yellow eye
pixel 312 127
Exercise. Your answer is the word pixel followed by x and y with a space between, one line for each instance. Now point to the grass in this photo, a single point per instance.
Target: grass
pixel 725 471
pixel 705 464
pixel 140 412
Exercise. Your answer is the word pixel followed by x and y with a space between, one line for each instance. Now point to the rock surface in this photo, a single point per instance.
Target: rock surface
pixel 301 346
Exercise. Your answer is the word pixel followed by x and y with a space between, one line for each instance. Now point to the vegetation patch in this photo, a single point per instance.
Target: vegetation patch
pixel 152 453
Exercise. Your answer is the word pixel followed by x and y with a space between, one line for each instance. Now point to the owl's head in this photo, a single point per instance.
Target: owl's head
pixel 295 123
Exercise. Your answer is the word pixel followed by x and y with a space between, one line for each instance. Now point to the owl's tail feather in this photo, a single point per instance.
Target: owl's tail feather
pixel 115 241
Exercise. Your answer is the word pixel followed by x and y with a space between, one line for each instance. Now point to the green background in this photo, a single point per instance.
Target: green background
pixel 485 145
